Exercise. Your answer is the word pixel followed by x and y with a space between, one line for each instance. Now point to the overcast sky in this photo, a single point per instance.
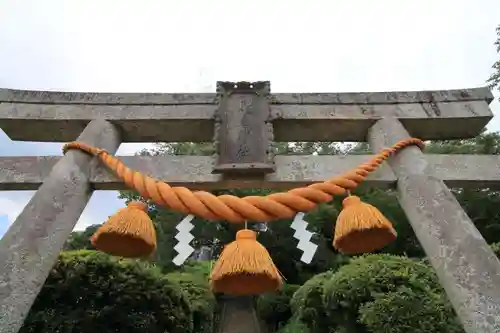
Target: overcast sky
pixel 186 46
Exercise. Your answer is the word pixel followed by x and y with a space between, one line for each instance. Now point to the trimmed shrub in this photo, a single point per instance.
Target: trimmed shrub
pixel 274 309
pixel 90 292
pixel 385 293
pixel 295 326
pixel 307 303
pixel 193 281
pixel 496 248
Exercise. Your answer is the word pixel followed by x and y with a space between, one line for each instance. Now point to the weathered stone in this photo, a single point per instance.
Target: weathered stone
pixel 194 172
pixel 242 133
pixel 32 244
pixel 55 117
pixel 59 97
pixel 56 97
pixel 339 122
pixel 148 123
pixel 238 315
pixel 466 266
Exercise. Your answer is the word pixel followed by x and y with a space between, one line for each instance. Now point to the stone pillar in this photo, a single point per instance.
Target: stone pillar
pixel 238 315
pixel 466 266
pixel 32 244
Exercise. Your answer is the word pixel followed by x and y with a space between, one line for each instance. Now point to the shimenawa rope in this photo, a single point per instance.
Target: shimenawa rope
pixel 238 210
pixel 244 266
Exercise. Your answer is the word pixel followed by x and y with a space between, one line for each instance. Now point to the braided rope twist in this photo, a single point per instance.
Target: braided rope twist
pixel 238 210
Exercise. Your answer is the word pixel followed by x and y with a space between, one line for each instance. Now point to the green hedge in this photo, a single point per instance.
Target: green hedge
pixel 496 248
pixel 274 309
pixel 193 281
pixel 90 292
pixel 375 294
pixel 295 326
pixel 307 303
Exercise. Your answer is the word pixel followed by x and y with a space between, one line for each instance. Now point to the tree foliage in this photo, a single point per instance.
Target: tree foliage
pixel 494 79
pixel 496 248
pixel 274 309
pixel 80 240
pixel 89 292
pixel 376 293
pixel 307 303
pixel 192 279
pixel 295 326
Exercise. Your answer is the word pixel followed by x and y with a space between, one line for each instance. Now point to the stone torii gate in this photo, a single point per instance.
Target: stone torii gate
pixel 243 119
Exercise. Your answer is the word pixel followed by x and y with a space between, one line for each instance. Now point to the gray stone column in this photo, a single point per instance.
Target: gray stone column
pixel 238 315
pixel 31 246
pixel 466 266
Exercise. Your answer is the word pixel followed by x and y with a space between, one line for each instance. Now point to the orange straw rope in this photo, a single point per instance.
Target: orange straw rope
pixel 238 210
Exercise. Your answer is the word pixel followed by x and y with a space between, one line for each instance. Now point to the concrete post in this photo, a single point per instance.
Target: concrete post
pixel 31 246
pixel 466 266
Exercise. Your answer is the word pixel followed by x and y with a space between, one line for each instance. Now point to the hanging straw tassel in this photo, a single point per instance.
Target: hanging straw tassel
pixel 129 233
pixel 245 268
pixel 361 228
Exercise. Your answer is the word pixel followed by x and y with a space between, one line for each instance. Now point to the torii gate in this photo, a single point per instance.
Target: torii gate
pixel 243 119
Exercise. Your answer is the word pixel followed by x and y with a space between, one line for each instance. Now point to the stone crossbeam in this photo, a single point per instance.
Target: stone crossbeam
pixel 469 171
pixel 60 116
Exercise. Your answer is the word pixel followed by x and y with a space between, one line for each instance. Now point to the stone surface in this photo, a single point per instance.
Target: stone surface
pixel 32 244
pixel 466 266
pixel 54 116
pixel 389 97
pixel 339 122
pixel 50 97
pixel 238 315
pixel 148 123
pixel 59 97
pixel 242 133
pixel 194 172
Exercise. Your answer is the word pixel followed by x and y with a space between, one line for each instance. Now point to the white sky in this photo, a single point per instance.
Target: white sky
pixel 185 46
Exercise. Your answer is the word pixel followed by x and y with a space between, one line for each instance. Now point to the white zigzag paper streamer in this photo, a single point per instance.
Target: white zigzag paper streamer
pixel 304 237
pixel 184 237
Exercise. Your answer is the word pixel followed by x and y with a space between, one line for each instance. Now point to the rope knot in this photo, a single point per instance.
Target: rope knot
pixel 350 201
pixel 246 234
